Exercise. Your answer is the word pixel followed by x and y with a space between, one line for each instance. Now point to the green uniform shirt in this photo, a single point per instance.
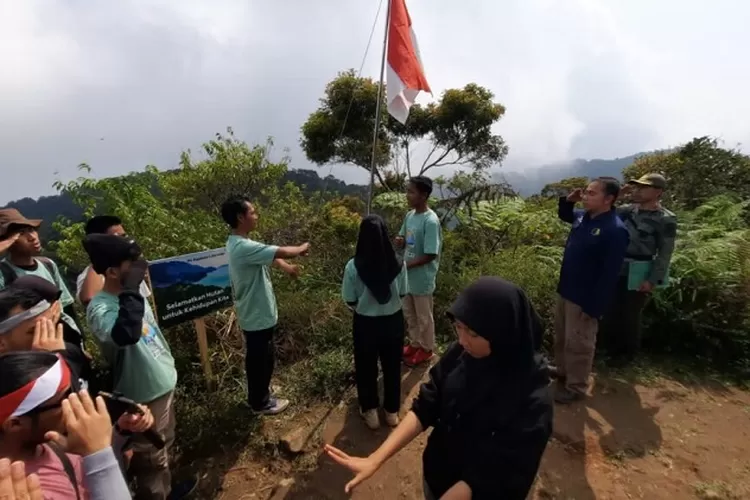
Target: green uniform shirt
pixel 422 236
pixel 143 371
pixel 41 270
pixel 353 290
pixel 652 236
pixel 249 270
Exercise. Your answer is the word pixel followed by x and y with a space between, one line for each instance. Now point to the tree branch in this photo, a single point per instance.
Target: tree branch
pixel 408 160
pixel 422 168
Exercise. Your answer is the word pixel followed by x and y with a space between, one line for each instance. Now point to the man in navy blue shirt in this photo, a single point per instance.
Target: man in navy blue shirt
pixel 591 265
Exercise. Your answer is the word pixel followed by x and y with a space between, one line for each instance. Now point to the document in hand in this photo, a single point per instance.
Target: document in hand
pixel 638 272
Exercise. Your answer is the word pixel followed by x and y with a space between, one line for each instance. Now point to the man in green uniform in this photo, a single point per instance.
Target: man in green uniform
pixel 652 231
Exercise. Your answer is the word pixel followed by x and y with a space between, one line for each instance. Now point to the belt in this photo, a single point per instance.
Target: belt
pixel 639 257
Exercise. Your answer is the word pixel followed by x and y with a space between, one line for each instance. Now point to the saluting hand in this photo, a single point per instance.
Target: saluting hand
pixel 15 484
pixel 88 425
pixel 8 242
pixel 48 336
pixel 576 195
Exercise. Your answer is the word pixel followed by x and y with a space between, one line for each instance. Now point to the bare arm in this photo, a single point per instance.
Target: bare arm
pixel 459 491
pixel 409 428
pixel 291 252
pixel 285 266
pixel 92 284
pixel 422 260
pixel 364 468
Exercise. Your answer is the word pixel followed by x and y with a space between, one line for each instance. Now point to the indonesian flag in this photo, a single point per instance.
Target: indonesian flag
pixel 36 392
pixel 405 74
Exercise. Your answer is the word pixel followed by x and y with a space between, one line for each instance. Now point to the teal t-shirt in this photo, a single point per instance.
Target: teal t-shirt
pixel 41 270
pixel 422 236
pixel 144 371
pixel 353 290
pixel 249 271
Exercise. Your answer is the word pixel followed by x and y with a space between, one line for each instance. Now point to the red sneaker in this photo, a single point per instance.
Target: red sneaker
pixel 419 357
pixel 409 351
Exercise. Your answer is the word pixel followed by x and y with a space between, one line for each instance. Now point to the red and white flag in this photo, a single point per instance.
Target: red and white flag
pixel 405 77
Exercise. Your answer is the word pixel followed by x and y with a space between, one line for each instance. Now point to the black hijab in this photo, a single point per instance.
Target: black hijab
pixel 500 312
pixel 375 259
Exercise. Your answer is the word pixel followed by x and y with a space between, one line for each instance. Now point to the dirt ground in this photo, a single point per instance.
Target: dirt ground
pixel 627 441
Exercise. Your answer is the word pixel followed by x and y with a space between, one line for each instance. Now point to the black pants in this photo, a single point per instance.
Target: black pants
pixel 378 338
pixel 259 363
pixel 620 329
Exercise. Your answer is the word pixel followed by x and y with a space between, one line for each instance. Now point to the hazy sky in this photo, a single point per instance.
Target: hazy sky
pixel 123 84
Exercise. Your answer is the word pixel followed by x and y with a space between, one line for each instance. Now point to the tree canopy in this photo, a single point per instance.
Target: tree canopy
pixel 458 129
pixel 696 172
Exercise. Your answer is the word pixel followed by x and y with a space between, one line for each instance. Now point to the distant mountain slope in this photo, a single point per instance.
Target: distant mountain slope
pixel 49 208
pixel 533 180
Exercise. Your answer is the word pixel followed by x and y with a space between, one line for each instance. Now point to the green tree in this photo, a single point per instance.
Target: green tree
pixel 230 167
pixel 458 129
pixel 696 172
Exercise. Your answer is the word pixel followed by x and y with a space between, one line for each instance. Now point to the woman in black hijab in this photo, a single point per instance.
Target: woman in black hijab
pixel 374 283
pixel 488 400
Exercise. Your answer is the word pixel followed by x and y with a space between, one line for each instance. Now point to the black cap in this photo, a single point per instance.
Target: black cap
pixel 107 250
pixel 45 289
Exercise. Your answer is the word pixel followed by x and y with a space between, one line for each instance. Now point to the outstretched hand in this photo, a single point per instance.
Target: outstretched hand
pixel 363 468
pixel 15 484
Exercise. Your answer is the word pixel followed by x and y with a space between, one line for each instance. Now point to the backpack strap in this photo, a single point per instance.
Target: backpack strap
pixel 9 275
pixel 67 466
pixel 48 264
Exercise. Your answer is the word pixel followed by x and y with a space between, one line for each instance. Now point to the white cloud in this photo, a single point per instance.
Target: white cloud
pixel 579 78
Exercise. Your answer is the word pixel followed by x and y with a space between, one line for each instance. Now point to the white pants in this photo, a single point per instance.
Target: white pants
pixel 420 321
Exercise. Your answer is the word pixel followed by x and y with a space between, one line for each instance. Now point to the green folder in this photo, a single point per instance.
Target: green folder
pixel 639 271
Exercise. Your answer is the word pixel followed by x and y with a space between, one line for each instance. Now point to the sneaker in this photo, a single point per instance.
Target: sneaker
pixel 409 351
pixel 391 419
pixel 554 373
pixel 273 407
pixel 372 420
pixel 419 357
pixel 565 396
pixel 183 489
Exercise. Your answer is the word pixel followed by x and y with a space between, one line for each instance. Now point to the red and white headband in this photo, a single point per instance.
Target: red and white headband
pixel 35 393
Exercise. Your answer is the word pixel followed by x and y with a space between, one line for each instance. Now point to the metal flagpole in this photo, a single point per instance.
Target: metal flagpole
pixel 378 110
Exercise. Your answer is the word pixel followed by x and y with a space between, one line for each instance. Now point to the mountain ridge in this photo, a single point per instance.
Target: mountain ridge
pixel 526 183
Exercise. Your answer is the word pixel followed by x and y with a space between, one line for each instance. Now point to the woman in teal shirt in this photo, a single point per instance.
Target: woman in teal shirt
pixel 374 283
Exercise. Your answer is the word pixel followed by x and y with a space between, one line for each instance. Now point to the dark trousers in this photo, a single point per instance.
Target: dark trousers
pixel 259 363
pixel 620 329
pixel 378 338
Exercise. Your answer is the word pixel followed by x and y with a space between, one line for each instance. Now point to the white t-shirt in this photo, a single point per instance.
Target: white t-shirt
pixel 145 292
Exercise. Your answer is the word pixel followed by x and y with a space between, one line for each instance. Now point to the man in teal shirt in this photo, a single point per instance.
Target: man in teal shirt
pixel 20 238
pixel 125 328
pixel 421 239
pixel 257 314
